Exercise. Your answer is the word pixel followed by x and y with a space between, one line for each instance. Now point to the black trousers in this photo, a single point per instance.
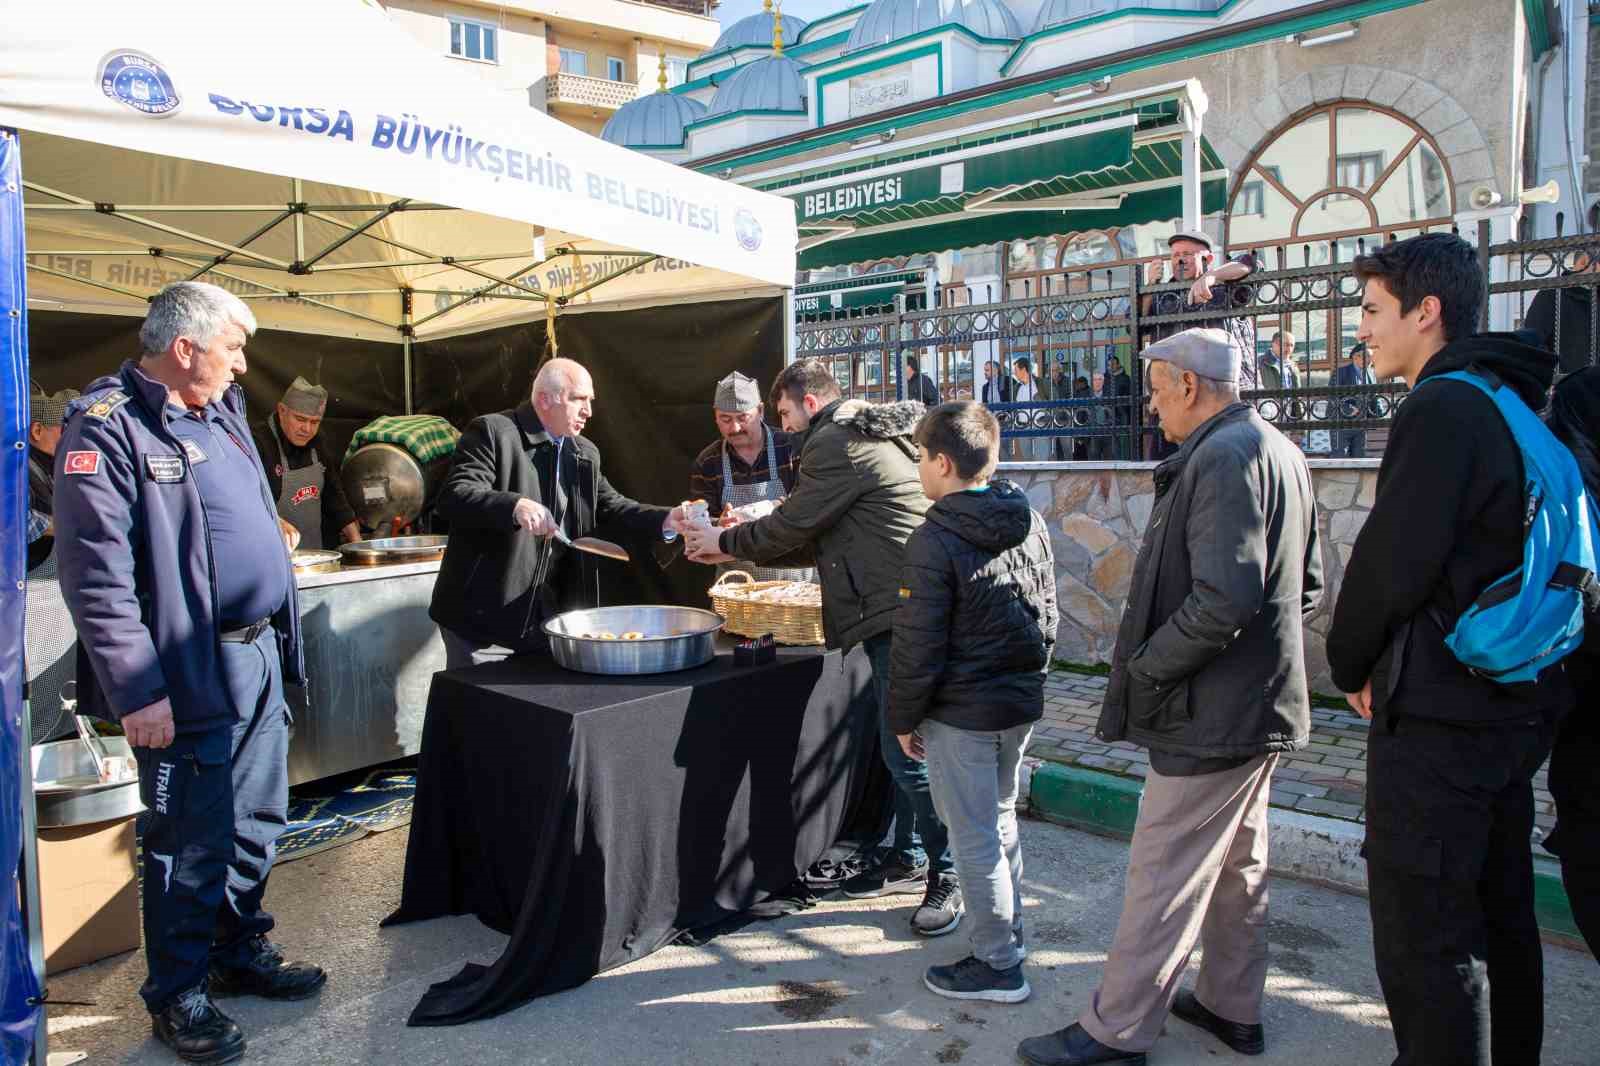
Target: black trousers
pixel 215 803
pixel 1576 838
pixel 1450 884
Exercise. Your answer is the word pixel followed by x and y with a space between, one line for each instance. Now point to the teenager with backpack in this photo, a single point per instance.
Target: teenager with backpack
pixel 1453 750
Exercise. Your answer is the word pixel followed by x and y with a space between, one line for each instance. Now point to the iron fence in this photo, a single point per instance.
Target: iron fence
pixel 1081 326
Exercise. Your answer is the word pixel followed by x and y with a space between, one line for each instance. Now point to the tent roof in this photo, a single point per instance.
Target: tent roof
pixel 127 119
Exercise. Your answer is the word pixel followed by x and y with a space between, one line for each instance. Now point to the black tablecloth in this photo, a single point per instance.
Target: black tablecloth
pixel 595 818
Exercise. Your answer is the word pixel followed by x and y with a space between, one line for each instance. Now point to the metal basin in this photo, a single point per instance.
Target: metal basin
pixel 675 638
pixel 314 561
pixel 393 550
pixel 67 789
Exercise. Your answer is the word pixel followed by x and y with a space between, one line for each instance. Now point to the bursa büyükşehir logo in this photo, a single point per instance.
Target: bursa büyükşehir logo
pixel 747 229
pixel 135 79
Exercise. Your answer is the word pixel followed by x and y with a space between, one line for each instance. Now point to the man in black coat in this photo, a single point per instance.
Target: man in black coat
pixel 517 476
pixel 919 386
pixel 996 383
pixel 1451 755
pixel 1209 674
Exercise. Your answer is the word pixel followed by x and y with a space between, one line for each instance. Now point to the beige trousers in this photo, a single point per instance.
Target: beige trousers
pixel 1197 874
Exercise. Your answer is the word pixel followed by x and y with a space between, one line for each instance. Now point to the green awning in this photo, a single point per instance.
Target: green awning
pixel 828 301
pixel 959 229
pixel 940 186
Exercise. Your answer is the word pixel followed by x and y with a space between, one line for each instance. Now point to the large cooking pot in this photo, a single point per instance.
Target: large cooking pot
pixel 384 482
pixel 386 550
pixel 673 638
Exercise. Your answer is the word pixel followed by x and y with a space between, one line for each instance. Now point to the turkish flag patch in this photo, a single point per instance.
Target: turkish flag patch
pixel 81 463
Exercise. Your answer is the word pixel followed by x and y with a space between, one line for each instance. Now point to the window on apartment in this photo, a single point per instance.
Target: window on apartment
pixel 1357 170
pixel 1252 199
pixel 616 69
pixel 677 71
pixel 574 61
pixel 474 40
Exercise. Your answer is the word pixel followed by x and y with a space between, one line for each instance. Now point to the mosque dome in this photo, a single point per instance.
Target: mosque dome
pixel 891 20
pixel 1061 12
pixel 757 30
pixel 772 83
pixel 655 120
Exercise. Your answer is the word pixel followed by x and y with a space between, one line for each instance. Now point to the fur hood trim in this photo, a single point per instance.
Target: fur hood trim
pixel 884 421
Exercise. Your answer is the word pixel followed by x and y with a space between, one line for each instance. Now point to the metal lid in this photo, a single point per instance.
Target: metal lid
pixel 383 483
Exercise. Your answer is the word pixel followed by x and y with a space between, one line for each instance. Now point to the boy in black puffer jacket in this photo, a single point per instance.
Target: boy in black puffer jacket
pixel 972 641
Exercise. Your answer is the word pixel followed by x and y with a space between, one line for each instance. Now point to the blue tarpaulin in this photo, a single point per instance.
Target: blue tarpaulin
pixel 18 987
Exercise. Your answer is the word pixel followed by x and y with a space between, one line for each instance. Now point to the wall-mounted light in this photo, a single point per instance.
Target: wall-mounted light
pixel 1316 40
pixel 1099 85
pixel 875 139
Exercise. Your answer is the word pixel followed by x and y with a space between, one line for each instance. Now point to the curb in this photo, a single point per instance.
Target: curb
pixel 1306 847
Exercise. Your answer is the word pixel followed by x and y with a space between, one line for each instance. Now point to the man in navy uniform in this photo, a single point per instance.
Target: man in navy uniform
pixel 178 579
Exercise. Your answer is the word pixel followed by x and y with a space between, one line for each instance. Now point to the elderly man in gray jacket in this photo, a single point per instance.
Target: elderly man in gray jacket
pixel 1209 674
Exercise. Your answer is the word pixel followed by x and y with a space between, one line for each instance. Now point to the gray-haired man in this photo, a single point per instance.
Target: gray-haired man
pixel 1209 675
pixel 301 473
pixel 179 583
pixel 44 433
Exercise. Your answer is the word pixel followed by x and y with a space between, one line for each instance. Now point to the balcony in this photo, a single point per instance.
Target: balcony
pixel 577 90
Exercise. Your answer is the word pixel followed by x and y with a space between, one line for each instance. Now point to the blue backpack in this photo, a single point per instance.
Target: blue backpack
pixel 1533 616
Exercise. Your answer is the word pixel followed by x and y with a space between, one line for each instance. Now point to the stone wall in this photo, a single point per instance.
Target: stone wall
pixel 1097 514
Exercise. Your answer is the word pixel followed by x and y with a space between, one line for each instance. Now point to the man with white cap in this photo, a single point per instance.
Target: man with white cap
pixel 1192 257
pixel 751 462
pixel 303 476
pixel 1209 675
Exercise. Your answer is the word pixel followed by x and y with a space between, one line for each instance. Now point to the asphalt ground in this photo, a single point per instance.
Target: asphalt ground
pixel 839 985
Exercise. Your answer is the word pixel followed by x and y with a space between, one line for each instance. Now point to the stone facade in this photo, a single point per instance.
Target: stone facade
pixel 1097 514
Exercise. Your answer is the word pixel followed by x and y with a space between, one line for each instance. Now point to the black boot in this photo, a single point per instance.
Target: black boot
pixel 1073 1046
pixel 1245 1039
pixel 196 1030
pixel 259 970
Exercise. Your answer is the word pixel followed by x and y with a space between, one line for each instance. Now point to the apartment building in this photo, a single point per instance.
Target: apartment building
pixel 578 60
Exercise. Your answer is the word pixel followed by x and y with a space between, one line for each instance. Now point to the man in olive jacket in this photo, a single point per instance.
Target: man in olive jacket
pixel 855 502
pixel 1209 674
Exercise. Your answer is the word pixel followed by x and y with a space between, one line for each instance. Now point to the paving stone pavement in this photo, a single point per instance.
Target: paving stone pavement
pixel 1327 777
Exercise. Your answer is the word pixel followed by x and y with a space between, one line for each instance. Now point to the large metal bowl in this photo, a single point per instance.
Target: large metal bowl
pixel 676 638
pixel 67 789
pixel 393 550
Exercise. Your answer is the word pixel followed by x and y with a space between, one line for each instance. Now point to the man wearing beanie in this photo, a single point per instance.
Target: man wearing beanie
pixel 303 477
pixel 44 433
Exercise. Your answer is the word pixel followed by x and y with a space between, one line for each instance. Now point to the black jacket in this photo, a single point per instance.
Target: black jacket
pixel 1446 523
pixel 489 586
pixel 1210 655
pixel 977 618
pixel 922 389
pixel 1576 306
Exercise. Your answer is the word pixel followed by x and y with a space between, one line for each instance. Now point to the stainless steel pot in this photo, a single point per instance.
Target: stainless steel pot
pixel 675 638
pixel 383 482
pixel 393 550
pixel 67 789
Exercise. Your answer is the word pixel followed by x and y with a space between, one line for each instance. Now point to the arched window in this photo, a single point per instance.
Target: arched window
pixel 1327 182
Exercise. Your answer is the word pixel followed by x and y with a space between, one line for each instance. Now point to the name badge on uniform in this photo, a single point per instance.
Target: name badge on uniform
pixel 164 468
pixel 195 453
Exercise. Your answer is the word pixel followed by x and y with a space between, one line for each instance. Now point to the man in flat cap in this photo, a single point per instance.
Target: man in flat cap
pixel 751 462
pixel 44 433
pixel 303 476
pixel 1208 674
pixel 1192 257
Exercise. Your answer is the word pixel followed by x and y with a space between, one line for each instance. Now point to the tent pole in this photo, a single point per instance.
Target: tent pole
pixel 788 326
pixel 297 194
pixel 1191 167
pixel 407 329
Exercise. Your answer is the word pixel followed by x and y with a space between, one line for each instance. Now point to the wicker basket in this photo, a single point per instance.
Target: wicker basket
pixel 788 623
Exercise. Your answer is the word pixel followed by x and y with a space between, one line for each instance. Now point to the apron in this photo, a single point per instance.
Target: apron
pixel 300 499
pixel 740 495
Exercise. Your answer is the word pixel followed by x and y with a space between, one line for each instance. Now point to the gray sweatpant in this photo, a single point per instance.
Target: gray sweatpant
pixel 973 778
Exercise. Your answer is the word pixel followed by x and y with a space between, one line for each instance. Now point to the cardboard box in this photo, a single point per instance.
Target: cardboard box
pixel 89 897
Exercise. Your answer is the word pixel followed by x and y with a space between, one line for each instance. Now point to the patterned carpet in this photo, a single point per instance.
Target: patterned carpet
pixel 379 802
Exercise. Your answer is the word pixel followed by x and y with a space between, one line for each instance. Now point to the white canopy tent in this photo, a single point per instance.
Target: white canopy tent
pixel 323 165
